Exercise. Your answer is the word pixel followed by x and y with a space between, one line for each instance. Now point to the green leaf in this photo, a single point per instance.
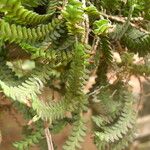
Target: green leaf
pixel 101 26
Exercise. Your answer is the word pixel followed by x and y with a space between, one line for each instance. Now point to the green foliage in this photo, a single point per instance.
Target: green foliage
pixel 23 34
pixel 71 42
pixel 21 15
pixel 74 15
pixel 101 26
pixel 34 3
pixel 77 135
pixel 51 111
pixel 76 76
pixel 51 55
pixel 119 128
pixel 52 6
pixel 106 49
pixel 138 42
pixel 30 140
pixel 125 141
pixel 28 86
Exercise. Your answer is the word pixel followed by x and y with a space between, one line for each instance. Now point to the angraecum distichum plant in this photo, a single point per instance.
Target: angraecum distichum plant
pixel 68 42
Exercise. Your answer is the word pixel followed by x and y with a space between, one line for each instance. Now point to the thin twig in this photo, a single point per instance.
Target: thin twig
pixel 86 25
pixel 95 44
pixel 94 47
pixel 49 139
pixel 141 92
pixel 146 95
pixel 123 20
pixel 91 80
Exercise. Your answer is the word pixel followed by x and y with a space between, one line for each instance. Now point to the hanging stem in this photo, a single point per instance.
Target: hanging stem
pixel 86 25
pixel 49 139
